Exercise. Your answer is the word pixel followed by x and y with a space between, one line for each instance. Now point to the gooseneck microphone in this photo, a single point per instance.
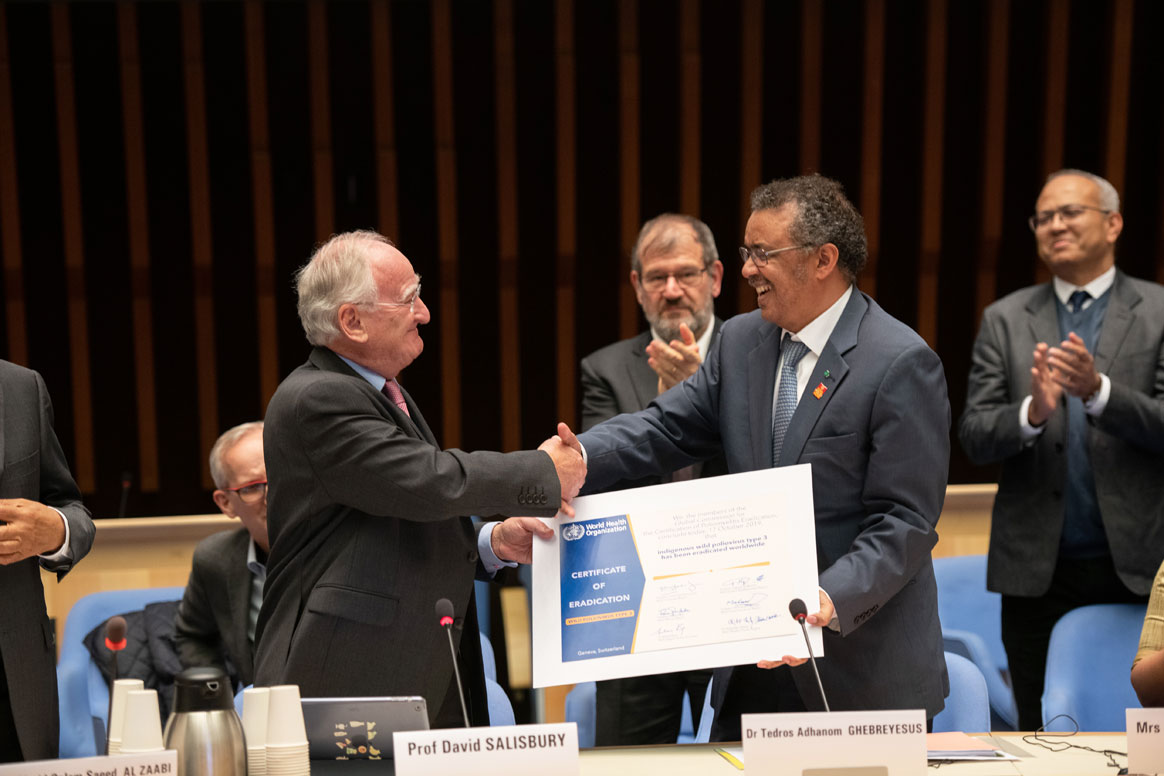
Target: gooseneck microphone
pixel 115 641
pixel 444 610
pixel 799 613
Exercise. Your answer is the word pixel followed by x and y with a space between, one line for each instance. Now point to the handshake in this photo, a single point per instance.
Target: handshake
pixel 566 453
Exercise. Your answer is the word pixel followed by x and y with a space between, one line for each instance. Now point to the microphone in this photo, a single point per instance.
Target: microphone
pixel 126 484
pixel 799 613
pixel 115 641
pixel 444 611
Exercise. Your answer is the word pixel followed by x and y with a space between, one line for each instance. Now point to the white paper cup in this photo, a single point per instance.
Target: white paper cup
pixel 285 718
pixel 142 727
pixel 117 710
pixel 254 716
pixel 257 760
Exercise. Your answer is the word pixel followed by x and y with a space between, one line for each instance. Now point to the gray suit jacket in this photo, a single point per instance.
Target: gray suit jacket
pixel 34 468
pixel 878 442
pixel 1126 441
pixel 210 628
pixel 617 379
pixel 367 528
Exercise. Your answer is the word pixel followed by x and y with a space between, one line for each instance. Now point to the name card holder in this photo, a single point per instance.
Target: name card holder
pixel 1145 740
pixel 149 764
pixel 516 750
pixel 839 743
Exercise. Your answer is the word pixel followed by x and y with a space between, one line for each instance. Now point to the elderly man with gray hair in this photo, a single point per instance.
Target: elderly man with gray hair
pixel 1065 392
pixel 370 521
pixel 215 624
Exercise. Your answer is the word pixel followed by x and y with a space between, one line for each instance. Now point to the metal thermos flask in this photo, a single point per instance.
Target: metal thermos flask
pixel 204 727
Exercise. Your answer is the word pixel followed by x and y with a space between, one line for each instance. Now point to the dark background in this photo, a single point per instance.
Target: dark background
pixel 597 87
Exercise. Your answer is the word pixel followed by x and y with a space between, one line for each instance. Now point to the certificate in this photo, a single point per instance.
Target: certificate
pixel 687 575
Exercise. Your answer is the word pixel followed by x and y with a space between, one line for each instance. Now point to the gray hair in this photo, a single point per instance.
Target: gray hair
pixel 1109 198
pixel 337 274
pixel 823 215
pixel 668 236
pixel 224 443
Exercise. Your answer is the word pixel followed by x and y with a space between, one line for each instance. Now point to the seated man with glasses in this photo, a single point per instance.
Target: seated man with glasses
pixel 215 625
pixel 676 275
pixel 1065 392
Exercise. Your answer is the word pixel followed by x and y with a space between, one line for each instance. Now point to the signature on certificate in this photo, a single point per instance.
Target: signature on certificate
pixel 671 632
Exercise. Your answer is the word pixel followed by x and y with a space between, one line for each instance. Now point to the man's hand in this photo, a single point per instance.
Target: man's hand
pixel 1073 368
pixel 512 539
pixel 821 619
pixel 32 529
pixel 566 453
pixel 1045 390
pixel 674 362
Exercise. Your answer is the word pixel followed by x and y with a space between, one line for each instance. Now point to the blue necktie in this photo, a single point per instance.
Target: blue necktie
pixel 785 394
pixel 1076 301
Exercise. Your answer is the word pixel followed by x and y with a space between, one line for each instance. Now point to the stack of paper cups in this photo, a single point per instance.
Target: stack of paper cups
pixel 254 720
pixel 117 711
pixel 287 753
pixel 142 726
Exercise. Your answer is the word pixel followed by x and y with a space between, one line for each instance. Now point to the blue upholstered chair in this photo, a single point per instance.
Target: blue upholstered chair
pixel 972 627
pixel 968 705
pixel 703 735
pixel 1089 664
pixel 500 708
pixel 81 688
pixel 581 709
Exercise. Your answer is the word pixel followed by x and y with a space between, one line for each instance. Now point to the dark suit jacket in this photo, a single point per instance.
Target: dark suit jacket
pixel 617 379
pixel 1126 441
pixel 34 468
pixel 210 628
pixel 367 528
pixel 878 442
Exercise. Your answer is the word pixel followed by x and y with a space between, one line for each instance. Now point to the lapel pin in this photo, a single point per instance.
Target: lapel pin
pixel 820 389
pixel 826 374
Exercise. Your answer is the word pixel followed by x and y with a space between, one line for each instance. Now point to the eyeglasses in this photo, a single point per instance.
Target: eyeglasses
pixel 688 278
pixel 410 302
pixel 1067 214
pixel 251 492
pixel 760 257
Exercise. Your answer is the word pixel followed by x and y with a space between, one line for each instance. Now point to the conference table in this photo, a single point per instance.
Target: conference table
pixel 703 759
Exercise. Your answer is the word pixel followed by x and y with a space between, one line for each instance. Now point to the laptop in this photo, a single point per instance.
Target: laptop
pixel 359 728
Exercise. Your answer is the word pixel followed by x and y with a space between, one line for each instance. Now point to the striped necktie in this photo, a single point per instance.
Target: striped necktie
pixel 785 394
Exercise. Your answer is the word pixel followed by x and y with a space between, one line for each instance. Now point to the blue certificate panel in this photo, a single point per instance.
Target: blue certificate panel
pixel 602 587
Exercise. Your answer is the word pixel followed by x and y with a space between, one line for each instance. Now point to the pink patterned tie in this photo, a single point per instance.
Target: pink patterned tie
pixel 393 392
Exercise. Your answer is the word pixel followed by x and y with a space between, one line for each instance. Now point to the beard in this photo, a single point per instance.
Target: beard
pixel 667 326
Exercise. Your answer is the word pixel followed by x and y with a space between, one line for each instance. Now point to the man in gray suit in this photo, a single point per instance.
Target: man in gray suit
pixel 369 521
pixel 676 275
pixel 215 624
pixel 1065 390
pixel 853 392
pixel 42 525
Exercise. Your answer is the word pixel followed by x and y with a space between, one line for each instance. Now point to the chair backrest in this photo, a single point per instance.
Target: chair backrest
pixel 1089 664
pixel 968 705
pixel 81 689
pixel 581 709
pixel 703 735
pixel 500 708
pixel 965 604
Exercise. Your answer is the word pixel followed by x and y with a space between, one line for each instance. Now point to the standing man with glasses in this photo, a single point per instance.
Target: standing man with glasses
pixel 370 521
pixel 1066 390
pixel 215 624
pixel 676 274
pixel 820 374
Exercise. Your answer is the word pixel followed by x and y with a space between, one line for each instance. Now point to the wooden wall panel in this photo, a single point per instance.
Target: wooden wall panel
pixel 139 249
pixel 10 249
pixel 78 304
pixel 606 118
pixel 200 231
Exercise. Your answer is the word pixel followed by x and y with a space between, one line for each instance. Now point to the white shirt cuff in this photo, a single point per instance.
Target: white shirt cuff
pixel 1098 403
pixel 1027 432
pixel 489 559
pixel 63 552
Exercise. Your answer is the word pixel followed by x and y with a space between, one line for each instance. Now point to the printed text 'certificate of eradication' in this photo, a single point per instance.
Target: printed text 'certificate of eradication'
pixel 673 577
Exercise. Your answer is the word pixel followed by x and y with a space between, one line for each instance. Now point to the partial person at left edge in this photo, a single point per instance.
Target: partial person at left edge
pixel 42 524
pixel 215 624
